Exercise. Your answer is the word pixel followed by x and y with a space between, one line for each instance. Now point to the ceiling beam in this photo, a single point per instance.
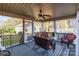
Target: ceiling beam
pixel 10 14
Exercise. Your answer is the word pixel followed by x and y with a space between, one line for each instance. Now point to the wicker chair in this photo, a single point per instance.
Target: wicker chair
pixel 44 42
pixel 68 39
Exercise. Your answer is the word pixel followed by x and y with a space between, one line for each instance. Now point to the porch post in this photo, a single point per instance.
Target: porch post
pixel 42 26
pixel 77 35
pixel 55 28
pixel 32 27
pixel 23 30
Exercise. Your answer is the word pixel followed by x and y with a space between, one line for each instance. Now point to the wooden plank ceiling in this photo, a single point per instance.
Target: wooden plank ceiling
pixel 31 10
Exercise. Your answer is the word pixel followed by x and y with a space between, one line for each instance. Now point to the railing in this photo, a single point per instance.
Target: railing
pixel 60 35
pixel 10 40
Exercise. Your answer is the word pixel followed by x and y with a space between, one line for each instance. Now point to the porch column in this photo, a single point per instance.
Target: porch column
pixel 32 27
pixel 23 30
pixel 42 27
pixel 77 35
pixel 55 28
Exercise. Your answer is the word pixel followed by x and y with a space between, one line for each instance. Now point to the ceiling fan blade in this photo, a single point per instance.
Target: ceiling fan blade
pixel 47 15
pixel 43 17
pixel 36 18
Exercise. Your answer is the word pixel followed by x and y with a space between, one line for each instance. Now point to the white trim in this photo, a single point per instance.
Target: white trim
pixel 77 36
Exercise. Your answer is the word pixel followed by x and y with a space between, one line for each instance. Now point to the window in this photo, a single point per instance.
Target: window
pixel 66 26
pixel 49 26
pixel 37 26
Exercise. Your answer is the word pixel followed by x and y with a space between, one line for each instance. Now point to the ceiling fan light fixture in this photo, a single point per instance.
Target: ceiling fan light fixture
pixel 41 18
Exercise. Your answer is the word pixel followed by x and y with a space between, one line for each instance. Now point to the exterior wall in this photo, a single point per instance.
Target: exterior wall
pixel 19 29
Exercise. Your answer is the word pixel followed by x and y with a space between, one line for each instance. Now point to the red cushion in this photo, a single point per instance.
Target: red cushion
pixel 70 36
pixel 44 35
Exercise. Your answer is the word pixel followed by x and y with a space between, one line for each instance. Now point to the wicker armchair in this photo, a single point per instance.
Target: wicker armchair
pixel 68 39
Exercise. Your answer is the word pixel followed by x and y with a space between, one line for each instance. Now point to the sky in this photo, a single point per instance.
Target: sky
pixel 2 19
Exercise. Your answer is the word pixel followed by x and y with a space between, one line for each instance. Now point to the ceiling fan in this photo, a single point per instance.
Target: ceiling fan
pixel 41 16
